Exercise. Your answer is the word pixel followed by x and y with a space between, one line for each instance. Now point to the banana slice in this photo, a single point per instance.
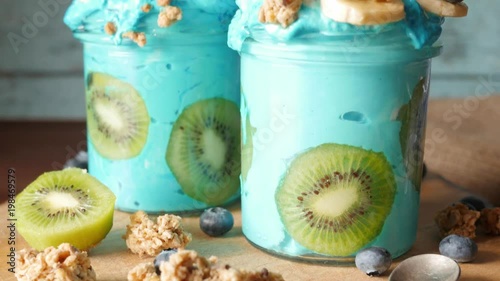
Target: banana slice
pixel 364 12
pixel 444 8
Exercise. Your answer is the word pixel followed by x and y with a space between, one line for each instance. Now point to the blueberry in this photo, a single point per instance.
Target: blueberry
pixel 79 161
pixel 473 203
pixel 373 261
pixel 163 257
pixel 216 221
pixel 459 248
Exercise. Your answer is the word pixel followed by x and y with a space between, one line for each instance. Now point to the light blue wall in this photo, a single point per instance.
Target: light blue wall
pixel 42 79
pixel 470 61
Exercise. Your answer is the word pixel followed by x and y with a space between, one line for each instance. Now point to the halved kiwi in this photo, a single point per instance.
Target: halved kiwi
pixel 247 148
pixel 412 133
pixel 334 198
pixel 117 118
pixel 204 150
pixel 68 206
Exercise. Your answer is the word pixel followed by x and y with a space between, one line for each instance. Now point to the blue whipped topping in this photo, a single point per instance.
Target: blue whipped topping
pixel 198 16
pixel 419 28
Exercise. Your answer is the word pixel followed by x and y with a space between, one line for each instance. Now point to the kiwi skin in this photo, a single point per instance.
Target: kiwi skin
pixel 247 148
pixel 112 139
pixel 83 228
pixel 412 117
pixel 188 155
pixel 317 219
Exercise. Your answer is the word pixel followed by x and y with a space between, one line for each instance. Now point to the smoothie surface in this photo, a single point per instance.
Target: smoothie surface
pixel 419 28
pixel 198 16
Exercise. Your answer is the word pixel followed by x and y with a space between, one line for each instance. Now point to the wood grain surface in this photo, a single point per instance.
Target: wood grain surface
pixel 463 143
pixel 111 259
pixel 465 152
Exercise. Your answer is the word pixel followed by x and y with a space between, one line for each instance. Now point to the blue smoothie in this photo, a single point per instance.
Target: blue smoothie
pixel 163 111
pixel 333 123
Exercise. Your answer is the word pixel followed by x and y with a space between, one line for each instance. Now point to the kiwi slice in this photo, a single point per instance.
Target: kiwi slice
pixel 412 133
pixel 334 198
pixel 68 206
pixel 117 118
pixel 204 150
pixel 247 148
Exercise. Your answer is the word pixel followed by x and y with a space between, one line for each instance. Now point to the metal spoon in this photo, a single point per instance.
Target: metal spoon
pixel 428 267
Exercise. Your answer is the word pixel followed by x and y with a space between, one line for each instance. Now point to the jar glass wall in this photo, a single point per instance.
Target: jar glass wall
pixel 332 147
pixel 163 120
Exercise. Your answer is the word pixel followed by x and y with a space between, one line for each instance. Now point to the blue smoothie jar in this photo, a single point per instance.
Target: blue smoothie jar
pixel 162 99
pixel 333 128
pixel 332 148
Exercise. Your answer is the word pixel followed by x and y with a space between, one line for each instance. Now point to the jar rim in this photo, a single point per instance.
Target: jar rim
pixel 339 51
pixel 177 39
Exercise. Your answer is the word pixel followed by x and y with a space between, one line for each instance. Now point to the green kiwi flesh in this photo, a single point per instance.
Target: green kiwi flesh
pixel 68 206
pixel 204 150
pixel 412 133
pixel 117 118
pixel 247 148
pixel 334 198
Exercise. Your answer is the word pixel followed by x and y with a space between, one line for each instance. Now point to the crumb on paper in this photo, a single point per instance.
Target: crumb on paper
pixel 148 238
pixel 146 8
pixel 138 37
pixel 490 220
pixel 62 263
pixel 163 3
pixel 284 12
pixel 143 272
pixel 169 15
pixel 110 28
pixel 457 219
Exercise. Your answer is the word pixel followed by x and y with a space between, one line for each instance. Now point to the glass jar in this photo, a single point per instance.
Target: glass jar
pixel 163 120
pixel 332 146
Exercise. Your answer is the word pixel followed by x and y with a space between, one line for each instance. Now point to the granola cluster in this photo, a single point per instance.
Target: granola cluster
pixel 457 219
pixel 490 220
pixel 163 3
pixel 167 16
pixel 284 12
pixel 143 272
pixel 188 265
pixel 110 28
pixel 138 37
pixel 146 237
pixel 146 8
pixel 64 263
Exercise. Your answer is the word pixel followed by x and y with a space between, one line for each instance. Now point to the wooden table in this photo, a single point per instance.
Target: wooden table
pixel 32 148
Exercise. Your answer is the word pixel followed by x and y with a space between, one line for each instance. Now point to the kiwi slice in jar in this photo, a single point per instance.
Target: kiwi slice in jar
pixel 334 199
pixel 117 117
pixel 68 206
pixel 204 150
